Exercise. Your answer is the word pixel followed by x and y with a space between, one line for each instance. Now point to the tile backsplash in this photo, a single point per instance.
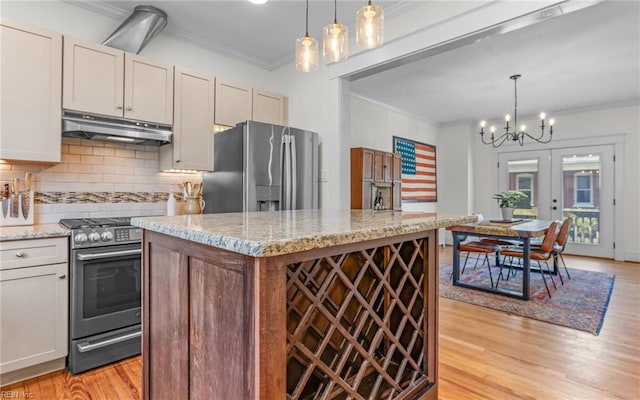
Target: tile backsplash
pixel 99 179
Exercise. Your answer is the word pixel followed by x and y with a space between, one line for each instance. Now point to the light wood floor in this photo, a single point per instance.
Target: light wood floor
pixel 484 354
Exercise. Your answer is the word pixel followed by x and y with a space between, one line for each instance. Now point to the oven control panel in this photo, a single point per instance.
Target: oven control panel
pixel 128 234
pixel 105 236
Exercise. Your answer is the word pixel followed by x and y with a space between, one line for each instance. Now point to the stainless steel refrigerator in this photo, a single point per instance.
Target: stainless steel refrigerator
pixel 262 167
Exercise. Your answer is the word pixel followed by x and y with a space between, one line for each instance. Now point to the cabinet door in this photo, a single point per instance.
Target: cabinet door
pixel 378 167
pixel 397 167
pixel 387 166
pixel 30 89
pixel 148 90
pixel 367 165
pixel 233 103
pixel 268 108
pixel 92 78
pixel 33 311
pixel 193 123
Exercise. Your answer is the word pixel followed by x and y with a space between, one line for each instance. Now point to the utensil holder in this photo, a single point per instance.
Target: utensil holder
pixel 17 209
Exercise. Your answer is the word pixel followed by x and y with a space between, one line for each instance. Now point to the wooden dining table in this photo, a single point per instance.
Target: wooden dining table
pixel 517 230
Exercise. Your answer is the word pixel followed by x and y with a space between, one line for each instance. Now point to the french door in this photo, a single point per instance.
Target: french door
pixel 575 183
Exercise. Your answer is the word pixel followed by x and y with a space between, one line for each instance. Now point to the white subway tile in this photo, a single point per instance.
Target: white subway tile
pixel 103 151
pixel 53 187
pixel 70 158
pixel 134 162
pixel 135 146
pixel 102 187
pixel 114 145
pixel 79 187
pixel 91 159
pixel 145 155
pixel 152 164
pixel 124 187
pixel 66 140
pixel 102 169
pixel 75 149
pixel 79 168
pixel 125 153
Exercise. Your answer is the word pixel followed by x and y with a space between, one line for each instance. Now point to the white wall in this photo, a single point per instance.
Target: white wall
pixel 576 126
pixel 373 125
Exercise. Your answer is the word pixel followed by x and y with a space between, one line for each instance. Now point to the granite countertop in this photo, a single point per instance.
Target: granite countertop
pixel 263 234
pixel 38 231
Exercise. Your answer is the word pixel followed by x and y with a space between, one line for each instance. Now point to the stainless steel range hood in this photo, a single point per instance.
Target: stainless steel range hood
pixel 87 126
pixel 136 31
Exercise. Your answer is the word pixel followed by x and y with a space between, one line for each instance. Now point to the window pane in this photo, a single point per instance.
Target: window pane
pixel 522 177
pixel 581 179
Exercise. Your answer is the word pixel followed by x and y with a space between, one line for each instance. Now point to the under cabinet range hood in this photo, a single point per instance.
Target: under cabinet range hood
pixel 118 130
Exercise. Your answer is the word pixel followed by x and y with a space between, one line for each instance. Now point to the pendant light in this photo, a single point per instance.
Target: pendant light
pixel 370 26
pixel 306 50
pixel 335 39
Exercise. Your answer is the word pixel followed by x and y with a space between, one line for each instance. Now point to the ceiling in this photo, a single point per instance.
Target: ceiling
pixel 263 35
pixel 585 59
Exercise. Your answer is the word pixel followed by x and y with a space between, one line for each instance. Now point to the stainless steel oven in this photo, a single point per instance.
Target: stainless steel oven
pixel 104 293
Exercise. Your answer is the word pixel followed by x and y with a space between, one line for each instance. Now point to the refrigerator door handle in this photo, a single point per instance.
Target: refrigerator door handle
pixel 286 173
pixel 294 173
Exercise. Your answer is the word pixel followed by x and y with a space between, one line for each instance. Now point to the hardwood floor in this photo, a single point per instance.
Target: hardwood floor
pixel 484 354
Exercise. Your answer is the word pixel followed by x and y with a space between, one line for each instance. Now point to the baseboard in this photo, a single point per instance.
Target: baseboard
pixel 32 371
pixel 633 256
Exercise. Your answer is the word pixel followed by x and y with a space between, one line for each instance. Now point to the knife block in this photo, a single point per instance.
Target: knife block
pixel 17 210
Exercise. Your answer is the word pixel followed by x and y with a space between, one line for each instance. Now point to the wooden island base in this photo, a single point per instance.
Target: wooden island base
pixel 349 321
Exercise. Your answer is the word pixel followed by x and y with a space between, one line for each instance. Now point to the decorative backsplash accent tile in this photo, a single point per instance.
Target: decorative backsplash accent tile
pixel 101 197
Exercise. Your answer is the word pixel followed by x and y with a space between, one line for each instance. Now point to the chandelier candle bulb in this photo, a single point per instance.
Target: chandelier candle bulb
pixel 507 117
pixel 542 115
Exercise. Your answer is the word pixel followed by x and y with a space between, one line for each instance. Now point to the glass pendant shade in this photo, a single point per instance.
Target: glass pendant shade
pixel 335 42
pixel 306 54
pixel 370 27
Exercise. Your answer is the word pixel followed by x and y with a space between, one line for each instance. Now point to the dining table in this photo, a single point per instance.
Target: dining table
pixel 518 230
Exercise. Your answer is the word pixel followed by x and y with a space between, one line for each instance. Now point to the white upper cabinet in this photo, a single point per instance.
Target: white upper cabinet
pixel 148 90
pixel 192 146
pixel 233 103
pixel 103 80
pixel 30 93
pixel 270 108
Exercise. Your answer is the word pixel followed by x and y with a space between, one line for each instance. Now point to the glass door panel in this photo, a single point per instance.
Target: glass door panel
pixel 522 171
pixel 583 192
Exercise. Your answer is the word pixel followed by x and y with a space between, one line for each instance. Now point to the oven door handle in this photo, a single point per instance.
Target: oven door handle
pixel 97 256
pixel 85 346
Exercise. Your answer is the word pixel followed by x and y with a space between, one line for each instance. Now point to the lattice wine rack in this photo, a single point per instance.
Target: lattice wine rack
pixel 356 324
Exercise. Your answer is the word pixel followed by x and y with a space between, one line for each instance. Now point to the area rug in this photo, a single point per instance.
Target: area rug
pixel 581 303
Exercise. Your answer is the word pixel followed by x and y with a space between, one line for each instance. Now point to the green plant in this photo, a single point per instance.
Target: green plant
pixel 509 198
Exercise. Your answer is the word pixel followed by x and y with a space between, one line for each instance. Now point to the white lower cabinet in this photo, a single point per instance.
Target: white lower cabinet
pixel 33 310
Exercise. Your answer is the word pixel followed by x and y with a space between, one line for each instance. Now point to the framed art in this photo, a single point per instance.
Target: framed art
pixel 419 183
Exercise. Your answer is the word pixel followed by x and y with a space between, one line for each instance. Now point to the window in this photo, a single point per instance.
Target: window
pixel 524 184
pixel 583 189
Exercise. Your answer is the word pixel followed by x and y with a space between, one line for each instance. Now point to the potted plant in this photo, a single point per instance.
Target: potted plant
pixel 507 201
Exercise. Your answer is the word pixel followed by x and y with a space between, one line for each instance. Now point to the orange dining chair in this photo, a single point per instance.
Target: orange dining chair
pixel 559 246
pixel 543 253
pixel 481 248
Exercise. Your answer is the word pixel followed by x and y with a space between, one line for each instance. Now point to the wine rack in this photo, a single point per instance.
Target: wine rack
pixel 356 324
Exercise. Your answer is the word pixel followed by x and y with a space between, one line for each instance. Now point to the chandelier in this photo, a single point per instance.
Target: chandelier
pixel 516 135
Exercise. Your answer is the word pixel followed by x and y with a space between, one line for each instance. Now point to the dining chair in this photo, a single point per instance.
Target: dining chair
pixel 543 253
pixel 559 246
pixel 481 248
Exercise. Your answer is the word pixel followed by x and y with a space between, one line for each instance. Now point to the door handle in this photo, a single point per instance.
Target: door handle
pixel 86 257
pixel 86 346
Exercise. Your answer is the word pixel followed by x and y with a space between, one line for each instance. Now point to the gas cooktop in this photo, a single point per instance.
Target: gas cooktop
pixel 95 222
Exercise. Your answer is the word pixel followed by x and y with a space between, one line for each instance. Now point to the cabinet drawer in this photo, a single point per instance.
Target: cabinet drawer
pixel 29 253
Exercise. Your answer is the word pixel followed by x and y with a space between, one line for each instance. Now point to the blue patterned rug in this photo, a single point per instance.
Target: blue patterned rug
pixel 581 303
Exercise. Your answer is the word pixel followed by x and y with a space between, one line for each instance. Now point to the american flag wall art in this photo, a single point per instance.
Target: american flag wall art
pixel 418 170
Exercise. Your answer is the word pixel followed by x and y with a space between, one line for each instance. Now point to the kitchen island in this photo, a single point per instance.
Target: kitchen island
pixel 295 304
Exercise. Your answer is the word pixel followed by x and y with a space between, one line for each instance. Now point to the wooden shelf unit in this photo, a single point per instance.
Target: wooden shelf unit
pixel 373 170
